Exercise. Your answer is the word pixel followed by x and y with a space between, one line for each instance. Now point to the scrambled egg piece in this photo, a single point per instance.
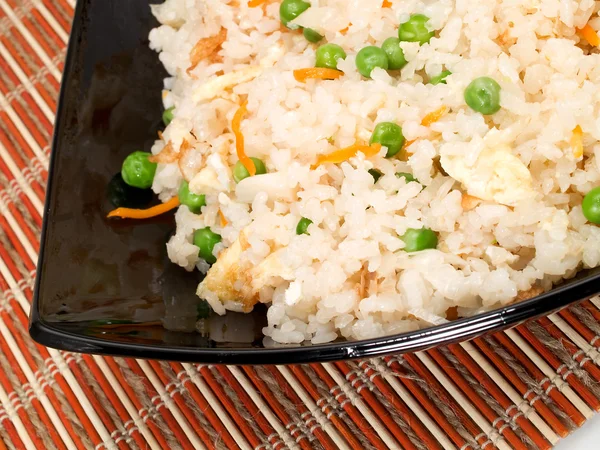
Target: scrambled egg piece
pixel 268 270
pixel 214 87
pixel 214 178
pixel 274 184
pixel 217 86
pixel 231 281
pixel 496 175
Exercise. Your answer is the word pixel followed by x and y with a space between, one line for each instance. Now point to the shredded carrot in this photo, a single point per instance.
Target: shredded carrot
pixel 408 143
pixel 405 153
pixel 345 154
pixel 320 73
pixel 239 140
pixel 255 3
pixel 386 4
pixel 433 116
pixel 430 118
pixel 223 219
pixel 577 142
pixel 128 213
pixel 345 30
pixel 590 35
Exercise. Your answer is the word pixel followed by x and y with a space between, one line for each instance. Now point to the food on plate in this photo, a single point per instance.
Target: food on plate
pixel 138 171
pixel 370 57
pixel 416 29
pixel 372 169
pixel 394 53
pixel 483 95
pixel 328 55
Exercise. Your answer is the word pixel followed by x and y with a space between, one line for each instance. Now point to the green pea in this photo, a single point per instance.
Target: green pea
pixel 483 95
pixel 202 310
pixel 370 57
pixel 311 35
pixel 591 206
pixel 138 171
pixel 415 30
pixel 328 55
pixel 389 135
pixel 193 201
pixel 395 55
pixel 440 78
pixel 206 240
pixel 302 227
pixel 168 114
pixel 416 240
pixel 407 176
pixel 290 9
pixel 240 172
pixel 376 174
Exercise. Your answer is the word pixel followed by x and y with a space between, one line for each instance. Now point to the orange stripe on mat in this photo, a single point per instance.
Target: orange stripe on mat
pixel 560 368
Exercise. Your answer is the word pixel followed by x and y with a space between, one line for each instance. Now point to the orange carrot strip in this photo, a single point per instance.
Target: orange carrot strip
pixel 223 219
pixel 255 3
pixel 433 116
pixel 430 118
pixel 128 213
pixel 345 154
pixel 406 153
pixel 590 35
pixel 320 73
pixel 345 30
pixel 386 4
pixel 577 142
pixel 239 140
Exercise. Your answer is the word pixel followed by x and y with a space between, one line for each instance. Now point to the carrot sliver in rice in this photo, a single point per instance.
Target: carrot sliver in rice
pixel 386 4
pixel 255 3
pixel 128 213
pixel 590 35
pixel 318 73
pixel 408 144
pixel 239 140
pixel 224 221
pixel 577 142
pixel 434 116
pixel 345 154
pixel 429 119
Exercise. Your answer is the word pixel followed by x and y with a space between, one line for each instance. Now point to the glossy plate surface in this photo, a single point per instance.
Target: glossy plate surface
pixel 105 286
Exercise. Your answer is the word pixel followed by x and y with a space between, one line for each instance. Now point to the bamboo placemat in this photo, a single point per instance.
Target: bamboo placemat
pixel 524 388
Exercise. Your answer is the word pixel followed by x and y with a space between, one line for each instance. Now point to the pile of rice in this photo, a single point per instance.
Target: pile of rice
pixel 510 223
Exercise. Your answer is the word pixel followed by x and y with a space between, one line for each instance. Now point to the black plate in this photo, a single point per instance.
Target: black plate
pixel 95 277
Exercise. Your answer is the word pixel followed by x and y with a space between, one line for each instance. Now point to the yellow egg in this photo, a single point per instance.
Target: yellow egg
pixel 497 175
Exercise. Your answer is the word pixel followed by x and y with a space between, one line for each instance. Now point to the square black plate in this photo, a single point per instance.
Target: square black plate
pixel 95 277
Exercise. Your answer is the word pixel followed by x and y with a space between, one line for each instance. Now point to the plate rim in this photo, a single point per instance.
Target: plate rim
pixel 459 330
